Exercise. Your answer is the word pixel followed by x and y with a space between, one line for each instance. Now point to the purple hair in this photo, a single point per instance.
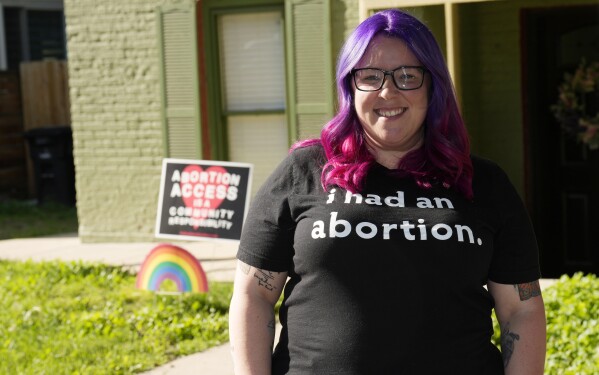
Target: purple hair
pixel 445 155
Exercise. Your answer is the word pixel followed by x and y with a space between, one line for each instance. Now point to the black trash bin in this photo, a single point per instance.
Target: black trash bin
pixel 51 151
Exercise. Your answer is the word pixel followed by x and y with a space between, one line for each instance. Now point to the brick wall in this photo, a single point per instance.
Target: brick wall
pixel 115 109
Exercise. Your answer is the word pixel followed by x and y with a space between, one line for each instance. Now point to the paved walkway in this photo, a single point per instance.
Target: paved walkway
pixel 217 259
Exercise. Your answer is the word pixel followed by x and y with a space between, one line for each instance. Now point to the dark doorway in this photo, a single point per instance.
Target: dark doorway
pixel 562 174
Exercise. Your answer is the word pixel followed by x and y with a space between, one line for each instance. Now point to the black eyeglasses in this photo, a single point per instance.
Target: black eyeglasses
pixel 404 78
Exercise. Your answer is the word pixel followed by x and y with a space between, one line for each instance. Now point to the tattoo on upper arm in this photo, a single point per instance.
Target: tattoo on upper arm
pixel 508 340
pixel 265 279
pixel 245 268
pixel 528 290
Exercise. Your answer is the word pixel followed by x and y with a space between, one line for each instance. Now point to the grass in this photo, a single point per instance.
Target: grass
pixel 23 219
pixel 75 318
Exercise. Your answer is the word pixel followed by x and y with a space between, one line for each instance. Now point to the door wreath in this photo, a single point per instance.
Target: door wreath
pixel 577 107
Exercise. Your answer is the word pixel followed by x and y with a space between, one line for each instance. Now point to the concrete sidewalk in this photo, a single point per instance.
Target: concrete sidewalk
pixel 217 259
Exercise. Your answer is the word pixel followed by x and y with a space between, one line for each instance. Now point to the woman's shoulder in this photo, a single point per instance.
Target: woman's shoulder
pixel 488 174
pixel 483 166
pixel 307 160
pixel 308 153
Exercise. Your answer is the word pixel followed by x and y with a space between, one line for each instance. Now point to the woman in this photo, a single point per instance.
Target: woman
pixel 388 232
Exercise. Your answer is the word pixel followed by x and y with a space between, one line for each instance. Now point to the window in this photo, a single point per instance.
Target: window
pixel 33 35
pixel 252 66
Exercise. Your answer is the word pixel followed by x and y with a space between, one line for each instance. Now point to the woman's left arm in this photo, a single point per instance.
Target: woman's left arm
pixel 521 314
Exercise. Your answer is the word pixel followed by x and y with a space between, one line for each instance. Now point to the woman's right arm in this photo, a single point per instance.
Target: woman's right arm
pixel 252 318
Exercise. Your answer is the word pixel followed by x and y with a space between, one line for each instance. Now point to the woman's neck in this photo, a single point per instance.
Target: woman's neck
pixel 389 158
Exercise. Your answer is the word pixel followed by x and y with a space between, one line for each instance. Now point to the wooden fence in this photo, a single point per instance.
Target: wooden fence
pixel 35 97
pixel 45 93
pixel 13 170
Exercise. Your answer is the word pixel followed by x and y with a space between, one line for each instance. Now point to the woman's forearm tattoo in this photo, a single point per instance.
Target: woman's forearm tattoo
pixel 508 341
pixel 528 290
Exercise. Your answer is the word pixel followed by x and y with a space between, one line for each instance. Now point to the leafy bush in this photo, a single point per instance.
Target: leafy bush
pixel 572 308
pixel 75 318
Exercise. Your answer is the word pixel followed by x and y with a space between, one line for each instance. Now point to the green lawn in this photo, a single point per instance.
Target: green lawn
pixel 22 219
pixel 74 318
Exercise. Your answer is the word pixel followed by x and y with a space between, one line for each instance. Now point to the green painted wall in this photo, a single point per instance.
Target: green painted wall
pixel 115 110
pixel 433 17
pixel 491 80
pixel 344 18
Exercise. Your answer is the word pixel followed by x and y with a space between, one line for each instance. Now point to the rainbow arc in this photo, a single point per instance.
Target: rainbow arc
pixel 170 262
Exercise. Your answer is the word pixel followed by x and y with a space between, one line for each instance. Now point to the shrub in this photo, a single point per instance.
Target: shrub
pixel 572 308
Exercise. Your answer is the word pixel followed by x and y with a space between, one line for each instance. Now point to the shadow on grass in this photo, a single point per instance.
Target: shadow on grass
pixel 24 219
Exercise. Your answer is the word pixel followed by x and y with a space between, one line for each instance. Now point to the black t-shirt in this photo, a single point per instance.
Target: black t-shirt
pixel 391 280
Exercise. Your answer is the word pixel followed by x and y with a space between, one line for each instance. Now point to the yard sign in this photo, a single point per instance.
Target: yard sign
pixel 202 200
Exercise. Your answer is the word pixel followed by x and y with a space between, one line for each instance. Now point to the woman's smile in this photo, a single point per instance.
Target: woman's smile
pixel 390 112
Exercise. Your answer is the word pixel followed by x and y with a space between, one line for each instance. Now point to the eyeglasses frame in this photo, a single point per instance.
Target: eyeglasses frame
pixel 390 73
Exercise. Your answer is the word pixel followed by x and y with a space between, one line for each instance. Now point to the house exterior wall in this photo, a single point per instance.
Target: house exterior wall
pixel 115 109
pixel 116 99
pixel 115 91
pixel 344 18
pixel 492 77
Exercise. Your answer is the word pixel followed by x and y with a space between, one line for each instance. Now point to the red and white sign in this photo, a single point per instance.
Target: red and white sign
pixel 202 199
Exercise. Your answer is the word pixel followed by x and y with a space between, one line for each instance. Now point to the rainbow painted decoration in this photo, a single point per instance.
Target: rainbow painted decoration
pixel 170 262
